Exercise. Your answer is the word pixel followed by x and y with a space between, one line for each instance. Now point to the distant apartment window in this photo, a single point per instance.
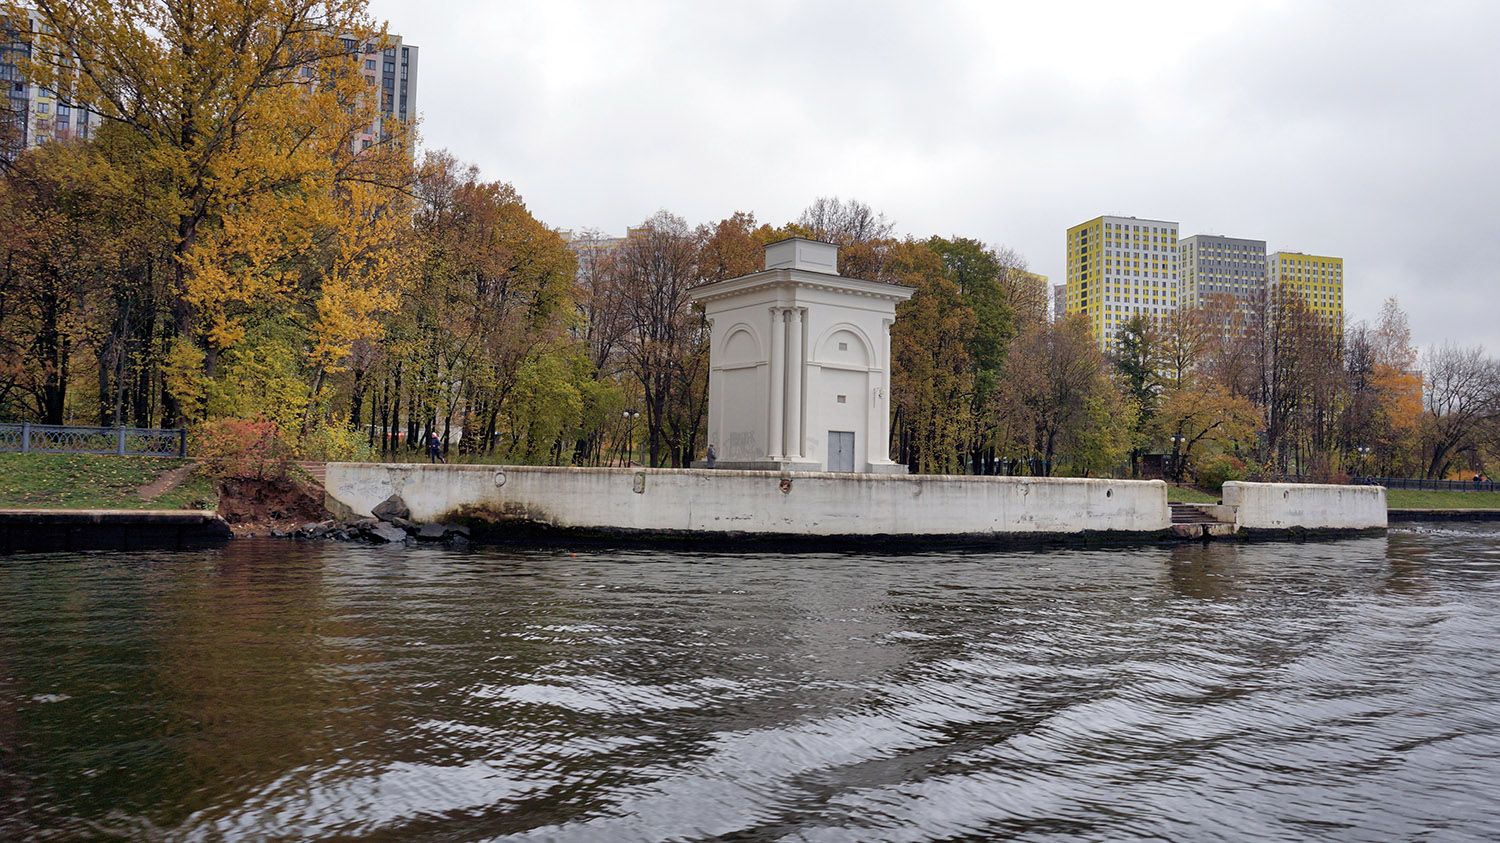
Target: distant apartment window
pixel 349 43
pixel 307 73
pixel 364 144
pixel 370 64
pixel 42 108
pixel 389 67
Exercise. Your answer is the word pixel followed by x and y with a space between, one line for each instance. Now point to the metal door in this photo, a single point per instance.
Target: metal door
pixel 840 450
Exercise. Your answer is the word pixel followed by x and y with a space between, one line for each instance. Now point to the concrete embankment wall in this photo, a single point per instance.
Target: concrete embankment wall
pixel 754 502
pixel 1306 506
pixel 51 530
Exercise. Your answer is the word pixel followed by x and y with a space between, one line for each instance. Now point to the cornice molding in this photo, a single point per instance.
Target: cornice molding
pixel 794 279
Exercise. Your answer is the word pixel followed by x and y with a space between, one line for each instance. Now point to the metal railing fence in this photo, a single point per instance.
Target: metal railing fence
pixel 1413 483
pixel 1430 485
pixel 28 438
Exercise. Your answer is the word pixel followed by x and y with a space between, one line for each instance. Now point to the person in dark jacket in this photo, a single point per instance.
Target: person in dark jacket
pixel 434 449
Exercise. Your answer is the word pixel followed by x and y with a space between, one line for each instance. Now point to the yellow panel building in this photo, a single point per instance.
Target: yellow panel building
pixel 1118 267
pixel 1317 278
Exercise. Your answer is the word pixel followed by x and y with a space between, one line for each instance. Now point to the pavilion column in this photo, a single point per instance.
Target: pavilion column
pixel 794 372
pixel 879 447
pixel 778 384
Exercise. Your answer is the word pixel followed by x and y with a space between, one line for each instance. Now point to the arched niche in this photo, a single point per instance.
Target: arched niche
pixel 741 348
pixel 844 346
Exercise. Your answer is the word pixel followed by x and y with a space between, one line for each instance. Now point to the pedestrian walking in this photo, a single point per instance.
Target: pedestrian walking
pixel 435 449
pixel 712 456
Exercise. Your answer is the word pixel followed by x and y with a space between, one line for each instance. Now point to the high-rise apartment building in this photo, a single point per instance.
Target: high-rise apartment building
pixel 1318 279
pixel 31 115
pixel 1118 267
pixel 1225 274
pixel 392 70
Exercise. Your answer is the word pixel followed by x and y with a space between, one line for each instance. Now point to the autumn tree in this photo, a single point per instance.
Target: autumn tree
pixel 932 368
pixel 979 275
pixel 834 220
pixel 1383 412
pixel 863 234
pixel 77 287
pixel 665 335
pixel 480 339
pixel 1461 399
pixel 1058 396
pixel 248 111
pixel 1202 414
pixel 1186 337
pixel 1139 360
pixel 1026 293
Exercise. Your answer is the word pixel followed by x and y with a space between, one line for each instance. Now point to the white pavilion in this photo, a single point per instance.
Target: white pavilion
pixel 800 374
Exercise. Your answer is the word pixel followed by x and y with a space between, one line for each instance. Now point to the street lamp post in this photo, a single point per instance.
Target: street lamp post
pixel 629 416
pixel 1364 460
pixel 1177 440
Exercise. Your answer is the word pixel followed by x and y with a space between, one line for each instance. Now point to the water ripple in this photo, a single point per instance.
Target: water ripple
pixel 1282 691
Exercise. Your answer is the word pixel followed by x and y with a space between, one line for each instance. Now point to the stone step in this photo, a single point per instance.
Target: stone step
pixel 317 470
pixel 1186 513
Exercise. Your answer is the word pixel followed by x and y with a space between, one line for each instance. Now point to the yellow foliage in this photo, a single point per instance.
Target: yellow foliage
pixel 259 380
pixel 249 112
pixel 1402 393
pixel 183 373
pixel 334 441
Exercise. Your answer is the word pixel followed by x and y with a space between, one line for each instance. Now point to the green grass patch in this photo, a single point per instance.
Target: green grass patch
pixel 1409 499
pixel 1187 494
pixel 90 481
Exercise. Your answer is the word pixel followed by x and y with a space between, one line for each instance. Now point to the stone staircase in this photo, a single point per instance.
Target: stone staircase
pixel 1187 513
pixel 316 470
pixel 1190 521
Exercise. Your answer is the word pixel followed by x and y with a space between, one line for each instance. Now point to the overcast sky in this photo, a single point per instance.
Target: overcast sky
pixel 1363 129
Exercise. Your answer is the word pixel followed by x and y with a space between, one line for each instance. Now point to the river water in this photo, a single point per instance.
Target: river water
pixel 275 690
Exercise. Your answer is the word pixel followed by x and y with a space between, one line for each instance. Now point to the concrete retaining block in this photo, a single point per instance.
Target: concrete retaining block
pixel 1306 506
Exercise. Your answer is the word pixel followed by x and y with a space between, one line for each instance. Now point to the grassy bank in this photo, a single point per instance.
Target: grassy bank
pixel 1394 498
pixel 1187 494
pixel 1408 499
pixel 87 481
